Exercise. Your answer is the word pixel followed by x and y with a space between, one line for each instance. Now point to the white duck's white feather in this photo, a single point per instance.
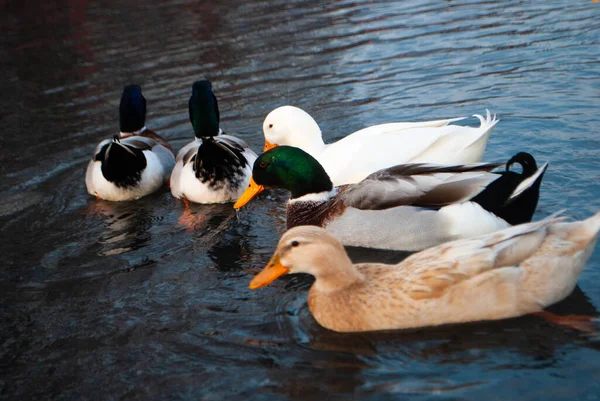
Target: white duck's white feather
pixel 455 142
pixel 354 157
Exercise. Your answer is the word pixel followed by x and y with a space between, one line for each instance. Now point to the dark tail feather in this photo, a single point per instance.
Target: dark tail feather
pixel 513 197
pixel 526 161
pixel 217 161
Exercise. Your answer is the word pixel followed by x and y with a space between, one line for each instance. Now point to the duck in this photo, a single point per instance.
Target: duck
pixel 508 273
pixel 408 207
pixel 134 163
pixel 363 152
pixel 215 167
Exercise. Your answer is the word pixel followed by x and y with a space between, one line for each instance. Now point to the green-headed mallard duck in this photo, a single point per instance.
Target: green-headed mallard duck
pixel 406 207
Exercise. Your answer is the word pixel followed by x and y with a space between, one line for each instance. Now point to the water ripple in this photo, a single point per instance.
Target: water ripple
pixel 149 299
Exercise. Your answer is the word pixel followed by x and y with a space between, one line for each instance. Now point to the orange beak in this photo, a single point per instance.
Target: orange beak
pixel 250 192
pixel 272 271
pixel 269 145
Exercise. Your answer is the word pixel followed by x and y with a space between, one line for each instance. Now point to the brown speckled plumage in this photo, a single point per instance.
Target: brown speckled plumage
pixel 313 213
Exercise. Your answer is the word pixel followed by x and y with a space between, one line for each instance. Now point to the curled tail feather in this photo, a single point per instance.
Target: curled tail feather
pixel 488 123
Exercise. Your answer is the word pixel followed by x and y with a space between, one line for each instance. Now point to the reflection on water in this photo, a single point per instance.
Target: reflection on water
pixel 150 300
pixel 127 225
pixel 399 362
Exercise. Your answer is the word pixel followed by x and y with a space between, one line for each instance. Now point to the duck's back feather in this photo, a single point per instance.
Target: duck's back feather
pixel 148 133
pixel 218 160
pixel 419 185
pixel 354 157
pixel 459 144
pixel 212 169
pixel 515 271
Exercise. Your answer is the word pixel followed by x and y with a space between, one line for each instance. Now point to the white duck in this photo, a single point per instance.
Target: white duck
pixel 354 157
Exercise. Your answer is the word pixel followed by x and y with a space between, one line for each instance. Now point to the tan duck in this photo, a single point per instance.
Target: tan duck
pixel 509 273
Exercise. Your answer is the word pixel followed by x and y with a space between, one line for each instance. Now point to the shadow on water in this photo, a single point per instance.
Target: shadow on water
pixel 150 300
pixel 127 226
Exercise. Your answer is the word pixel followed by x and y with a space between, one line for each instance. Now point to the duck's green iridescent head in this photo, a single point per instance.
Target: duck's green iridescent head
pixel 204 110
pixel 289 168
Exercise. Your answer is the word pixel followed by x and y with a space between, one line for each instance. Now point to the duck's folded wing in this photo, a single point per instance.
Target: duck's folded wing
pixel 186 157
pixel 237 147
pixel 164 154
pixel 188 151
pixel 99 148
pixel 430 273
pixel 392 128
pixel 157 138
pixel 425 185
pixel 353 158
pixel 140 142
pixel 233 142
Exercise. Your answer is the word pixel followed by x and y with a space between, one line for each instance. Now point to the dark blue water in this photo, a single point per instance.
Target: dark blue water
pixel 145 300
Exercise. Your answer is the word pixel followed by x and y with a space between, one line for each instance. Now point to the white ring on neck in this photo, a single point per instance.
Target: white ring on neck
pixel 138 132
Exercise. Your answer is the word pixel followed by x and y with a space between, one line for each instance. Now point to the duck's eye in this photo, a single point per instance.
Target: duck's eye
pixel 270 125
pixel 262 164
pixel 295 243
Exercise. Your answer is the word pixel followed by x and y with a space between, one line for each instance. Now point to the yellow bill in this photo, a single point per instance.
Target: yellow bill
pixel 269 145
pixel 272 271
pixel 250 192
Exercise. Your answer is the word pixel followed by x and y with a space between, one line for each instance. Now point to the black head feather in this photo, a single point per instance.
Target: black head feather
pixel 204 110
pixel 132 110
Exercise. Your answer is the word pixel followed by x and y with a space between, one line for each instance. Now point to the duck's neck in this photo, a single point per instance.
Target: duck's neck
pixel 127 134
pixel 312 209
pixel 312 182
pixel 339 275
pixel 310 142
pixel 200 135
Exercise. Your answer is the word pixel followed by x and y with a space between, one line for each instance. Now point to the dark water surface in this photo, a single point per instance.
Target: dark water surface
pixel 144 300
